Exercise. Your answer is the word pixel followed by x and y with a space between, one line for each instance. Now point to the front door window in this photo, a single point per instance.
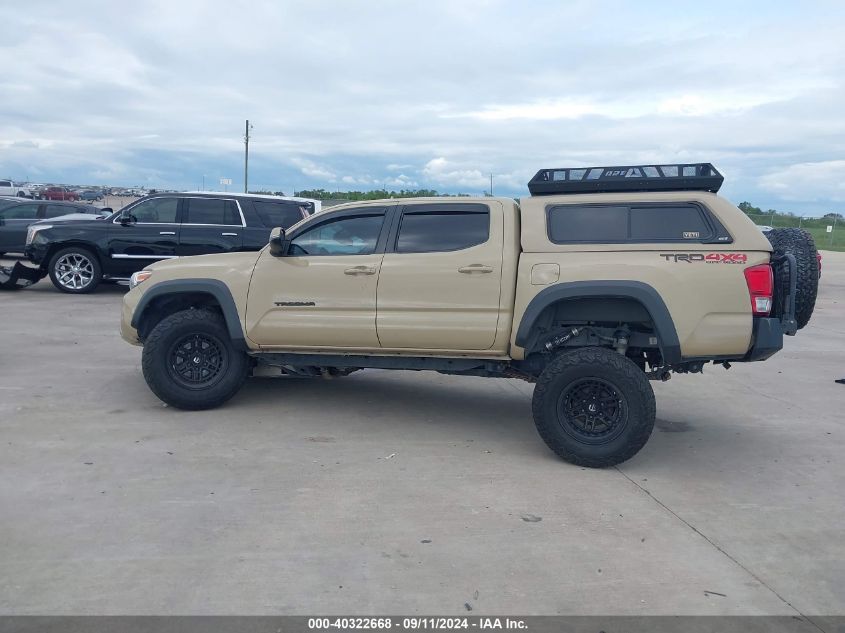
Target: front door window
pixel 344 236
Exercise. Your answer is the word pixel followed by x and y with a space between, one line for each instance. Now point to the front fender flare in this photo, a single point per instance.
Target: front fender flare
pixel 214 287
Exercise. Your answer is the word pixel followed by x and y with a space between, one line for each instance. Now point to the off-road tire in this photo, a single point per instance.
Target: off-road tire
pixel 161 372
pixel 801 244
pixel 573 370
pixel 96 269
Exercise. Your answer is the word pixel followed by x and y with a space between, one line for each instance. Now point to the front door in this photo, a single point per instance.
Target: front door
pixel 322 294
pixel 440 281
pixel 151 236
pixel 210 225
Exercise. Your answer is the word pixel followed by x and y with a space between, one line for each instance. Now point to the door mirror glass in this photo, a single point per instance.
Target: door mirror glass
pixel 278 242
pixel 126 217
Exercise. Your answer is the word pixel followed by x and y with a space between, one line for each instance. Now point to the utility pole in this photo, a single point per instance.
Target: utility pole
pixel 491 185
pixel 247 128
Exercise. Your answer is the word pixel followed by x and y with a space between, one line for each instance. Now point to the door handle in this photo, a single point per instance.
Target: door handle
pixel 360 270
pixel 167 232
pixel 475 268
pixel 231 234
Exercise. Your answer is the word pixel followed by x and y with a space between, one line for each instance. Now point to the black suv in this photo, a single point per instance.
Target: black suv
pixel 79 255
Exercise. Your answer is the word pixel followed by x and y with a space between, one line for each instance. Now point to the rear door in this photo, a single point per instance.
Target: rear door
pixel 14 221
pixel 57 210
pixel 441 278
pixel 210 225
pixel 264 214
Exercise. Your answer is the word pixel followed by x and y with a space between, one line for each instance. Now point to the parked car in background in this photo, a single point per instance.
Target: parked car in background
pixel 157 227
pixel 9 188
pixel 17 215
pixel 91 195
pixel 59 193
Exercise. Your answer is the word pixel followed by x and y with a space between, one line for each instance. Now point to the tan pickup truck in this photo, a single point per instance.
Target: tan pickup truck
pixel 602 279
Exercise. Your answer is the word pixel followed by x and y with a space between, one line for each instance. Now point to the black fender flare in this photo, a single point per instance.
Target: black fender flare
pixel 214 287
pixel 651 300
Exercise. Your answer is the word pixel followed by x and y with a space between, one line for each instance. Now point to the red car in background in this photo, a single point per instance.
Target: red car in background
pixel 59 193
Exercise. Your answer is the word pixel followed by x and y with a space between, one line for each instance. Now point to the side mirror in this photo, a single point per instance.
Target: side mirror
pixel 278 242
pixel 126 218
pixel 107 210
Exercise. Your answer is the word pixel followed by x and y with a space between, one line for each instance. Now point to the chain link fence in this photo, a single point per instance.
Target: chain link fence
pixel 829 233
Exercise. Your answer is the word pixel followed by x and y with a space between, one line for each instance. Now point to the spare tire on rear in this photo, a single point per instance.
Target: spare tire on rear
pixel 800 243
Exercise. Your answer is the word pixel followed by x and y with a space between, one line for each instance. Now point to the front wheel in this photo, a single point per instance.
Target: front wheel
pixel 190 363
pixel 75 270
pixel 593 407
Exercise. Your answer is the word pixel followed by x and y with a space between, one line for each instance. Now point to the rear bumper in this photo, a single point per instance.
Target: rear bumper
pixel 767 339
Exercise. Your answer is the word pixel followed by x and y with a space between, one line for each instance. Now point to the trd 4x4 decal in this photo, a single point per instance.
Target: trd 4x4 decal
pixel 708 258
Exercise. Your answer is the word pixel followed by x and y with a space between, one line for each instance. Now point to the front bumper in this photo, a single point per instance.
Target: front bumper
pixel 36 252
pixel 130 302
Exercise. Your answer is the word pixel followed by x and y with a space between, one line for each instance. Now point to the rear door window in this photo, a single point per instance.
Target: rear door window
pixel 273 214
pixel 55 210
pixel 431 230
pixel 21 212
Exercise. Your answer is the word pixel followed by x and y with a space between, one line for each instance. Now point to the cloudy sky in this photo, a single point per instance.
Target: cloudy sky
pixel 435 94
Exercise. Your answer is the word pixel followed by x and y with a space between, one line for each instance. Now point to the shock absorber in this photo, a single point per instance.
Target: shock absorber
pixel 561 339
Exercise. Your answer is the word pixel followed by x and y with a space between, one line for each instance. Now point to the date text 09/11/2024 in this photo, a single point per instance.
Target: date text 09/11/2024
pixel 416 623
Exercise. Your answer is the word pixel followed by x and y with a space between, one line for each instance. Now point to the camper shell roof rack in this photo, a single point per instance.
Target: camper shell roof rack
pixel 674 177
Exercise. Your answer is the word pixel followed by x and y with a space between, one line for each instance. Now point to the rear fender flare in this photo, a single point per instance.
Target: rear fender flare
pixel 650 299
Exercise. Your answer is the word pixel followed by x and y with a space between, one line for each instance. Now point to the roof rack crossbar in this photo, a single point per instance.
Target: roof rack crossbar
pixel 673 177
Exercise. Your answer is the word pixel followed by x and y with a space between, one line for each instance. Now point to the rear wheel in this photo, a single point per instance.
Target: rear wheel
pixel 189 361
pixel 75 270
pixel 593 407
pixel 800 243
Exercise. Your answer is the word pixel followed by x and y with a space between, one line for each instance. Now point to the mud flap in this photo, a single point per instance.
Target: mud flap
pixel 19 276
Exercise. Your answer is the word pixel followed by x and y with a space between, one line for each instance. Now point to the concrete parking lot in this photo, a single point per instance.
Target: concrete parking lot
pixel 403 492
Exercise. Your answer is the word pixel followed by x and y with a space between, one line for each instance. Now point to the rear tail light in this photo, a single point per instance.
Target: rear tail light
pixel 760 286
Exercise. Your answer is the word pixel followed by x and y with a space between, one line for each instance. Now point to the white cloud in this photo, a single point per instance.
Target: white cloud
pixel 808 181
pixel 441 171
pixel 312 169
pixel 144 91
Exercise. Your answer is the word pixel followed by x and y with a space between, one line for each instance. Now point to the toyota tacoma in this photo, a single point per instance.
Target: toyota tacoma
pixel 602 279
